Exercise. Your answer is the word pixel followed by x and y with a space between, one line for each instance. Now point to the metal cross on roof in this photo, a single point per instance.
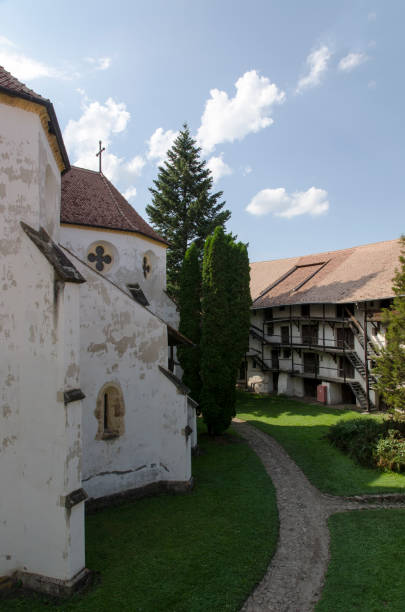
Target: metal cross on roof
pixel 99 155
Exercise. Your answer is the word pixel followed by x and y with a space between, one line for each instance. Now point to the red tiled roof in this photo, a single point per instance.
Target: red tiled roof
pixel 88 198
pixel 349 275
pixel 8 81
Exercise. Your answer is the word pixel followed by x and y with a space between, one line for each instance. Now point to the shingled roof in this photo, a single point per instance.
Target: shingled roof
pixel 351 275
pixel 9 82
pixel 88 198
pixel 13 87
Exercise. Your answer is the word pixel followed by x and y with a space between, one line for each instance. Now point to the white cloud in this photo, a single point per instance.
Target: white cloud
pixel 351 61
pixel 159 143
pixel 135 165
pixel 277 201
pixel 227 119
pixel 5 41
pixel 98 122
pixel 218 167
pixel 318 64
pixel 129 193
pixel 23 67
pixel 27 68
pixel 99 63
pixel 247 170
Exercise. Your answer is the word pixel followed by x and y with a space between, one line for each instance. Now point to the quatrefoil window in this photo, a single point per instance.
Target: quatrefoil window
pixel 99 257
pixel 146 267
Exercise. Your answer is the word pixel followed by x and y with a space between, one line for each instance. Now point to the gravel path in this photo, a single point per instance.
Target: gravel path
pixel 295 576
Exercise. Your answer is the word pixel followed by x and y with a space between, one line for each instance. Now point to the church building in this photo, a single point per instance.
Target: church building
pixel 90 405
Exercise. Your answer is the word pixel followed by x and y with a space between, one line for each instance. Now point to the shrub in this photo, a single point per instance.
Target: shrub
pixel 370 442
pixel 390 451
pixel 357 438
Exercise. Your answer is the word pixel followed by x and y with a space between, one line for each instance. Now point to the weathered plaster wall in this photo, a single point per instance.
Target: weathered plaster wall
pixel 122 343
pixel 129 250
pixel 39 437
pixel 334 392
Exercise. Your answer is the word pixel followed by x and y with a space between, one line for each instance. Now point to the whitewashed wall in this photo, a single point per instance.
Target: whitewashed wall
pixel 129 251
pixel 39 437
pixel 123 343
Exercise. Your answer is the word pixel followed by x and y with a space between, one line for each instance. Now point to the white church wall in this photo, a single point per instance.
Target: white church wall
pixel 128 251
pixel 123 344
pixel 38 444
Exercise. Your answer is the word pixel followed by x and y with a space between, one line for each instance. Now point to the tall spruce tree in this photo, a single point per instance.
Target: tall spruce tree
pixel 189 300
pixel 390 364
pixel 183 210
pixel 225 326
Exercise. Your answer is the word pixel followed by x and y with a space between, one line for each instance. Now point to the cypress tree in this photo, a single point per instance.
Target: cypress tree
pixel 183 210
pixel 190 320
pixel 225 326
pixel 390 364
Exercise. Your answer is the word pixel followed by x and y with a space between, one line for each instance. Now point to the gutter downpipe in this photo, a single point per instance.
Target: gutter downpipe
pixel 366 357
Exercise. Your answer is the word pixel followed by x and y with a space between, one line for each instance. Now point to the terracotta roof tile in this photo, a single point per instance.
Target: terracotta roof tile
pixel 8 81
pixel 349 275
pixel 88 198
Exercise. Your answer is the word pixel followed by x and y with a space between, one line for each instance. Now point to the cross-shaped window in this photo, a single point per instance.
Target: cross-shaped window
pixel 99 258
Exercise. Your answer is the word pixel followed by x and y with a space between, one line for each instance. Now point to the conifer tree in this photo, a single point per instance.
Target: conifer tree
pixel 189 299
pixel 225 326
pixel 390 367
pixel 183 210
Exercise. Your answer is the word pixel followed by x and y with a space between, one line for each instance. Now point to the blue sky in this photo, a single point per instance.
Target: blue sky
pixel 298 106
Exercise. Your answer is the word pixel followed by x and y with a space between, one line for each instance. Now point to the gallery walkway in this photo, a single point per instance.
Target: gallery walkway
pixel 294 578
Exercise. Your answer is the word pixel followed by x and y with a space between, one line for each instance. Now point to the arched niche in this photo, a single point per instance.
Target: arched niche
pixel 110 411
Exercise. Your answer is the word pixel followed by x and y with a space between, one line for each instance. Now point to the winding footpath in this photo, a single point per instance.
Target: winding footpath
pixel 295 576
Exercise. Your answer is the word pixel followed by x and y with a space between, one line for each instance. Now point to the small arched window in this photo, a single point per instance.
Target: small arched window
pixel 146 266
pixel 110 411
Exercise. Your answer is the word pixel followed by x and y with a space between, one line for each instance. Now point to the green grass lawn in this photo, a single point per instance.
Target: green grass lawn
pixel 366 571
pixel 300 429
pixel 196 552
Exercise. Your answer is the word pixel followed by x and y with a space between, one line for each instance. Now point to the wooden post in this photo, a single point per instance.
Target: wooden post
pixel 264 323
pixel 366 357
pixel 323 326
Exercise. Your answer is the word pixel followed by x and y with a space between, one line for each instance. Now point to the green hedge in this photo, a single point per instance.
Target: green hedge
pixel 371 442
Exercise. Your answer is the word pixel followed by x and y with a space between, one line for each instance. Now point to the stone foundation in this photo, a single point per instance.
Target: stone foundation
pixel 54 586
pixel 150 490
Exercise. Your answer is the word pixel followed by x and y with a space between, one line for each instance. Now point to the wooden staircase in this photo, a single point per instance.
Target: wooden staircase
pixel 361 395
pixel 359 366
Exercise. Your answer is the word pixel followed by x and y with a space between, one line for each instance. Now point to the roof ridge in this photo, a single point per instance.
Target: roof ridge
pixel 85 169
pixel 360 246
pixel 107 182
pixel 275 259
